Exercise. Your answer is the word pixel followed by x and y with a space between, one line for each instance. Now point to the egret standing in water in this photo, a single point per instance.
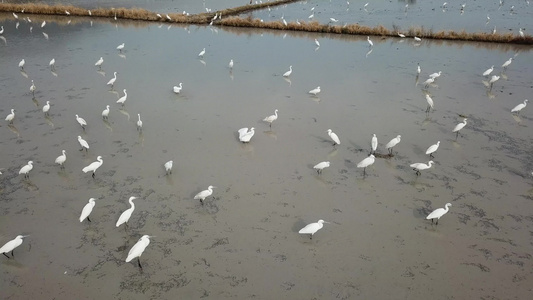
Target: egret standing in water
pixel 433 148
pixel 393 143
pixel 458 127
pixel 111 82
pixel 507 63
pixel 138 249
pixel 317 43
pixel 21 64
pixel 83 143
pixel 438 213
pixel 139 123
pixel 230 65
pixel 370 42
pixel 244 135
pixel 488 71
pixel 87 209
pixel 94 166
pixel 120 47
pixel 33 87
pixel 334 137
pixel 271 118
pixel 81 121
pixel 421 166
pixel 52 64
pixel 125 216
pixel 519 107
pixel 201 54
pixel 11 116
pixel 123 99
pixel 46 108
pixel 366 162
pixel 26 169
pixel 312 228
pixel 99 63
pixel 11 245
pixel 204 194
pixel 177 89
pixel 60 160
pixel 493 79
pixel 105 113
pixel 288 73
pixel 168 167
pixel 374 144
pixel 315 91
pixel 320 166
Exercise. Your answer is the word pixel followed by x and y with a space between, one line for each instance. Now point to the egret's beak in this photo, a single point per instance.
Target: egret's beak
pixel 327 222
pixel 24 236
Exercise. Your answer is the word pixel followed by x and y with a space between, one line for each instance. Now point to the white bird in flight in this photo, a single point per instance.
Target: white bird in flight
pixel 244 135
pixel 312 228
pixel 125 216
pixel 26 169
pixel 417 167
pixel 519 107
pixel 438 213
pixel 87 209
pixel 393 143
pixel 60 160
pixel 11 245
pixel 94 166
pixel 204 194
pixel 138 249
pixel 334 137
pixel 320 166
pixel 271 118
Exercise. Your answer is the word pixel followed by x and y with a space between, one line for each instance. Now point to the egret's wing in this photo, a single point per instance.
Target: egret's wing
pixel 310 228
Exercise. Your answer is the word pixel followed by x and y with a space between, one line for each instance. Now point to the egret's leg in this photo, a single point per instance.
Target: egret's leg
pixel 93 174
pixel 139 262
pixel 88 219
pixel 12 254
pixel 5 255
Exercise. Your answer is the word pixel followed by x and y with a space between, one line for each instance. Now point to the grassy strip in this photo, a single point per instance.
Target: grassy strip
pixel 230 19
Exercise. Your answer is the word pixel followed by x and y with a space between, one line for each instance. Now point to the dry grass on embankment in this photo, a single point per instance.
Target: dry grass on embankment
pixel 230 18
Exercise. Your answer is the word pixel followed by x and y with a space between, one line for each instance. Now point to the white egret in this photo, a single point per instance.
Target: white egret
pixel 138 249
pixel 317 43
pixel 432 149
pixel 430 103
pixel 99 62
pixel 67 12
pixel 435 75
pixel 333 20
pixel 168 17
pixel 417 39
pixel 120 47
pixel 159 16
pixel 15 15
pixel 366 162
pixel 493 79
pixel 26 169
pixel 125 216
pixel 315 91
pixel 401 35
pixel 111 82
pixel 90 13
pixel 139 123
pixel 370 41
pixel 46 108
pixel 201 54
pixel 519 107
pixel 271 118
pixel 1 29
pixel 507 63
pixel 87 209
pixel 204 194
pixel 458 127
pixel 123 99
pixel 374 143
pixel 60 160
pixel 521 33
pixel 244 135
pixel 168 166
pixel 81 121
pixel 320 166
pixel 334 137
pixel 230 65
pixel 393 143
pixel 52 64
pixel 288 73
pixel 312 228
pixel 488 71
pixel 438 213
pixel 93 166
pixel 11 245
pixel 177 89
pixel 428 82
pixel 33 87
pixel 418 70
pixel 21 64
pixel 105 113
pixel 83 143
pixel 421 166
pixel 11 116
pixel 311 16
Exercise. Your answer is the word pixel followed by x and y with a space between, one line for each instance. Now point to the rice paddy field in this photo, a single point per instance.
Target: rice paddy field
pixel 243 242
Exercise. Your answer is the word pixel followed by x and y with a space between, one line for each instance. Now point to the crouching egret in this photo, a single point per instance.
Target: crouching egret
pixel 81 121
pixel 271 118
pixel 60 160
pixel 366 162
pixel 138 249
pixel 334 137
pixel 438 213
pixel 432 149
pixel 168 167
pixel 177 89
pixel 393 143
pixel 312 228
pixel 458 127
pixel 204 194
pixel 244 135
pixel 87 209
pixel 519 107
pixel 11 116
pixel 93 166
pixel 83 143
pixel 421 166
pixel 125 216
pixel 320 166
pixel 11 245
pixel 315 91
pixel 26 169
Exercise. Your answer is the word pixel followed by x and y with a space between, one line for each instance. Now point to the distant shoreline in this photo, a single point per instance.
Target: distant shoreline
pixel 230 18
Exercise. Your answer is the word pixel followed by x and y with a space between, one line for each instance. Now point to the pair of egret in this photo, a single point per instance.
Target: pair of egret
pixel 123 219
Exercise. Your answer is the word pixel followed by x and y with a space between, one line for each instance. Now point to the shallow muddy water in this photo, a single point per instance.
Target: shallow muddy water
pixel 244 242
